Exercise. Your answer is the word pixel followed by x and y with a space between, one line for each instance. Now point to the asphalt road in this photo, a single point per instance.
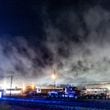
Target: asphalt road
pixel 57 104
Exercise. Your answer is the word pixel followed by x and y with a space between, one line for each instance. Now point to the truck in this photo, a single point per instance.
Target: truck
pixel 84 93
pixel 67 92
pixel 95 93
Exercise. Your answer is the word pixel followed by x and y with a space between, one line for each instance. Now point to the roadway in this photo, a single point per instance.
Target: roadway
pixel 57 104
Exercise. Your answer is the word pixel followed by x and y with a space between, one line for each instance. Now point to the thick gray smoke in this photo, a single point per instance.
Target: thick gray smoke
pixel 77 46
pixel 81 54
pixel 17 58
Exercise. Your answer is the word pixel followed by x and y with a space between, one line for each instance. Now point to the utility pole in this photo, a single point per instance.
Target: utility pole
pixel 11 82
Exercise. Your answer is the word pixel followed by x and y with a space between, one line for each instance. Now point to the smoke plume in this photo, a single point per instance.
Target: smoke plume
pixel 76 45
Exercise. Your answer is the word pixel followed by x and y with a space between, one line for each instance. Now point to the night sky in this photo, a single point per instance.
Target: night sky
pixel 70 36
pixel 25 17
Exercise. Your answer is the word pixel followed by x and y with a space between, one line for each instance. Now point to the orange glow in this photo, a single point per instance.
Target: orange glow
pixel 33 86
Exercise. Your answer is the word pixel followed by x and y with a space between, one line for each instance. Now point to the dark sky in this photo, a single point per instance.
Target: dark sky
pixel 26 17
pixel 19 17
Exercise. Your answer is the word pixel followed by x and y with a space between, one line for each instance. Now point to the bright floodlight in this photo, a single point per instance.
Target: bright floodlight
pixel 54 76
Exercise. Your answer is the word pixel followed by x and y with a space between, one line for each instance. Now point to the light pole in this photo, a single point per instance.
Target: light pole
pixel 5 85
pixel 11 82
pixel 54 78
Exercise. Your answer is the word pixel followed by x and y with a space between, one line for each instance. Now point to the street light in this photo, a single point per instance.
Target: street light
pixel 54 77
